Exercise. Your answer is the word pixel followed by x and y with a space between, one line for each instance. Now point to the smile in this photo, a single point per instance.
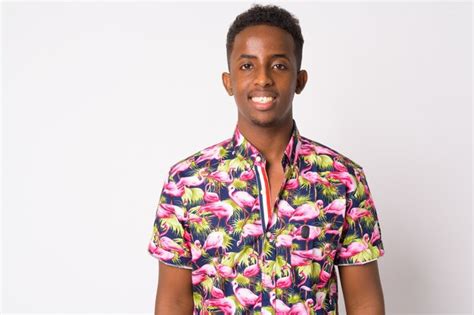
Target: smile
pixel 262 102
pixel 262 99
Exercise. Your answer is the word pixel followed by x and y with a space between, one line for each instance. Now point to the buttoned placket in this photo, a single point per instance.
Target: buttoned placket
pixel 268 229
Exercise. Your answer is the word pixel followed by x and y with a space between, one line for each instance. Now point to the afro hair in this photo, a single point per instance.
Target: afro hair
pixel 269 15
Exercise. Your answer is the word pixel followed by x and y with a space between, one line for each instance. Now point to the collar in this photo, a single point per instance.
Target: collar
pixel 240 145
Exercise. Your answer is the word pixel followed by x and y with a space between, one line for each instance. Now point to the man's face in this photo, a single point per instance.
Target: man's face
pixel 263 76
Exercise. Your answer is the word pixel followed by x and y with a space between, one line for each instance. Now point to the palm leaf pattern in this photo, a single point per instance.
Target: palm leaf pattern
pixel 212 219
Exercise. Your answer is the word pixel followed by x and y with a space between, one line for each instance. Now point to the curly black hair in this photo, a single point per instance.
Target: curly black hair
pixel 269 15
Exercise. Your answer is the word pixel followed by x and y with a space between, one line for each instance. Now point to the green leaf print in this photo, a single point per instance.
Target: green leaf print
pixel 173 224
pixel 192 195
pixel 298 200
pixel 239 184
pixel 243 258
pixel 197 298
pixel 294 298
pixel 239 163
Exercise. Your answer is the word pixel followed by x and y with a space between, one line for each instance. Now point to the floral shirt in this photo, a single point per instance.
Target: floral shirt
pixel 252 255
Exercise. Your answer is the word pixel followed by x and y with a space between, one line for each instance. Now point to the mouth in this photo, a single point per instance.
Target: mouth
pixel 262 102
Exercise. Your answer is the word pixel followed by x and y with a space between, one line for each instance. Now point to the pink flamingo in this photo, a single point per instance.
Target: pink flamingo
pixel 278 305
pixel 180 167
pixel 328 230
pixel 313 253
pixel 337 206
pixel 241 198
pixel 198 278
pixel 170 245
pixel 285 240
pixel 322 150
pixel 292 184
pixel 354 248
pixel 196 251
pixel 344 177
pixel 298 261
pixel 159 252
pixel 338 166
pixel 172 189
pixel 168 211
pixel 214 240
pixel 191 181
pixel 324 276
pixel 193 218
pixel 251 271
pixel 302 309
pixel 226 271
pixel 210 153
pixel 285 209
pixel 267 281
pixel 245 296
pixel 206 269
pixel 284 282
pixel 247 175
pixel 226 305
pixel 217 293
pixel 251 229
pixel 306 149
pixel 357 213
pixel 320 296
pixel 375 234
pixel 220 209
pixel 221 176
pixel 306 212
pixel 210 196
pixel 310 176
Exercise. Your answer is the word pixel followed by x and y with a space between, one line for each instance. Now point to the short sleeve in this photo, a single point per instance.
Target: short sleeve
pixel 360 240
pixel 170 241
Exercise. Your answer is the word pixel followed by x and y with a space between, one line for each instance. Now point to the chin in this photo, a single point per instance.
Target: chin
pixel 264 122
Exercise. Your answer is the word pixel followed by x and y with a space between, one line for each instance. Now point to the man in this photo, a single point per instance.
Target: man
pixel 256 223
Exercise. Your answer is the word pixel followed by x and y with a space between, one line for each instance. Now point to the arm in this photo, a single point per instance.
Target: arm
pixel 174 295
pixel 362 289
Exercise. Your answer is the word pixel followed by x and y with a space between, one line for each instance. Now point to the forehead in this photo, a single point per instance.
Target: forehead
pixel 262 39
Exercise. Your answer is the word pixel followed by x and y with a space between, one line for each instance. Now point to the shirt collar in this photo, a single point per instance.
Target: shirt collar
pixel 243 147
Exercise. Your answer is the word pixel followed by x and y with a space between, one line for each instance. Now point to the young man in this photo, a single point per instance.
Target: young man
pixel 256 224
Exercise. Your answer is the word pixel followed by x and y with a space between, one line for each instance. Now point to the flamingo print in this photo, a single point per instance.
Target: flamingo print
pixel 241 198
pixel 226 305
pixel 245 297
pixel 209 220
pixel 354 248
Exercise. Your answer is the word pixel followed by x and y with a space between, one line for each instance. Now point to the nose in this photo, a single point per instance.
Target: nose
pixel 263 78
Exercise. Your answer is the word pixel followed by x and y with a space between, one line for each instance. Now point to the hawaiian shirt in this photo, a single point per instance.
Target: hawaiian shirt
pixel 252 255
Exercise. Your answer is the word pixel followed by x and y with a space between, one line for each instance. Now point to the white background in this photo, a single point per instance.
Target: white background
pixel 99 99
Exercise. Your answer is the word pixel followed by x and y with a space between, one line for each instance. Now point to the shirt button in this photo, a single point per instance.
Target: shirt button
pixel 269 234
pixel 258 158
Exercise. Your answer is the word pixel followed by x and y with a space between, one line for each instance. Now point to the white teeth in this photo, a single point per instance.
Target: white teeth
pixel 262 99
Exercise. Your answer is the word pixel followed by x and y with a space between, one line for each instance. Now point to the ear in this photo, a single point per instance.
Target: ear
pixel 227 83
pixel 301 80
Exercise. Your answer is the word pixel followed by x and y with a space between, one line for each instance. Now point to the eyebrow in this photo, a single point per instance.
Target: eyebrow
pixel 273 56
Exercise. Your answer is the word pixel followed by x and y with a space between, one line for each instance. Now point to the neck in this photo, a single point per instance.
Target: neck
pixel 271 141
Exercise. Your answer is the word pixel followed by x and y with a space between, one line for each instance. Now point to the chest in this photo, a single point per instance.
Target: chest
pixel 276 178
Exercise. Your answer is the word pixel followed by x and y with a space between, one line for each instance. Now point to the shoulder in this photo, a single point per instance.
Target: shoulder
pixel 335 157
pixel 208 157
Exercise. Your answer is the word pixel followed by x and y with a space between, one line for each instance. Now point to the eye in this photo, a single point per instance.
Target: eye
pixel 281 66
pixel 245 66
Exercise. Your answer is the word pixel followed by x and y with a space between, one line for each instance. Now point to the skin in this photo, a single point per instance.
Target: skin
pixel 254 67
pixel 269 131
pixel 362 289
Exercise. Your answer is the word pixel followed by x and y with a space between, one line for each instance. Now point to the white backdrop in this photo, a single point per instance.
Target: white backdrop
pixel 99 99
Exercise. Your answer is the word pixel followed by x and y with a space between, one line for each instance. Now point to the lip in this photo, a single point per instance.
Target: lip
pixel 263 106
